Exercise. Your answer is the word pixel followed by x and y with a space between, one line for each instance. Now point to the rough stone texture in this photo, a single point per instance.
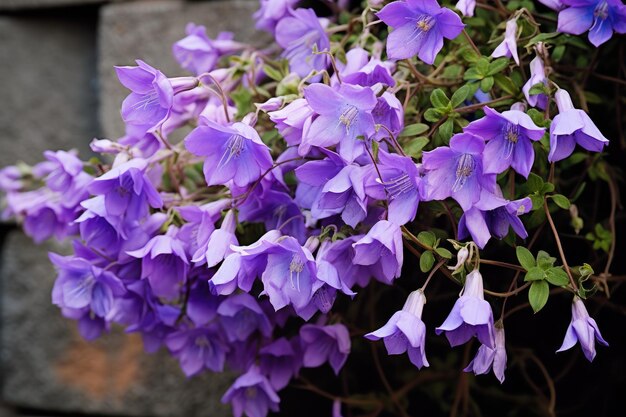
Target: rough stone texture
pixel 147 31
pixel 48 92
pixel 47 365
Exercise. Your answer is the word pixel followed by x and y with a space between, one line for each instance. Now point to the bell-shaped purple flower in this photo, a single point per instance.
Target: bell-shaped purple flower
pixel 405 331
pixel 344 115
pixel 553 4
pixel 419 28
pixel 64 170
pixel 325 344
pixel 271 12
pixel 600 17
pixel 456 171
pixel 509 135
pixel 508 47
pixel 252 394
pixel 466 7
pixel 486 357
pixel 218 244
pixel 362 70
pixel 300 32
pixel 388 112
pixel 241 316
pixel 233 152
pixel 570 127
pixel 470 316
pixel 197 349
pixel 537 76
pixel 152 95
pixel 291 120
pixel 582 329
pixel 280 360
pixel 381 249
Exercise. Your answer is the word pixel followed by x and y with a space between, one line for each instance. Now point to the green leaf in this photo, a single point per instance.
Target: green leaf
pixel 535 274
pixel 557 276
pixel 459 96
pixel 482 65
pixel 534 183
pixel 486 84
pixel 558 52
pixel 273 73
pixel 447 129
pixel 538 295
pixel 427 238
pixel 505 84
pixel 439 99
pixel 537 117
pixel 561 201
pixel 415 146
pixel 469 55
pixel 548 187
pixel 444 253
pixel 542 37
pixel 544 260
pixel 497 66
pixel 525 258
pixel 537 201
pixel 472 74
pixel 414 130
pixel 427 260
pixel 433 115
pixel 539 88
pixel 452 72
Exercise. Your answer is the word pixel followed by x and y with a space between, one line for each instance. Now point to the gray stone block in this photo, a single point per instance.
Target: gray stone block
pixel 49 87
pixel 147 30
pixel 46 365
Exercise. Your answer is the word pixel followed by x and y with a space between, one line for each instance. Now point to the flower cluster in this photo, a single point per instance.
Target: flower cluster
pixel 303 178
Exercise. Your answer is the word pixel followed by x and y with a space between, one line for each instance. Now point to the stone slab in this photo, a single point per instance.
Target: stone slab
pixel 147 30
pixel 47 366
pixel 49 84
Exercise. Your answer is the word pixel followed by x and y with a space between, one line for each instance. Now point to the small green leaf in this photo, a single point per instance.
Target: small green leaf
pixel 486 84
pixel 427 260
pixel 273 73
pixel 558 52
pixel 505 84
pixel 557 276
pixel 439 99
pixel 538 295
pixel 427 238
pixel 497 66
pixel 415 146
pixel 469 55
pixel 444 253
pixel 482 65
pixel 535 274
pixel 561 201
pixel 433 115
pixel 535 182
pixel 472 74
pixel 446 130
pixel 414 130
pixel 459 96
pixel 544 260
pixel 542 37
pixel 548 187
pixel 525 258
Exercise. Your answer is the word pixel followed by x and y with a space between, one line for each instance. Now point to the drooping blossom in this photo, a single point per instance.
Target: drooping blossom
pixel 405 331
pixel 280 361
pixel 570 127
pixel 341 253
pixel 233 153
pixel 509 137
pixel 600 17
pixel 198 348
pixel 291 120
pixel 252 394
pixel 470 316
pixel 152 94
pixel 300 33
pixel 361 69
pixel 271 12
pixel 321 344
pixel 582 329
pixel 508 47
pixel 537 76
pixel 419 28
pixel 487 358
pixel 241 316
pixel 218 243
pixel 553 4
pixel 466 7
pixel 344 114
pixel 389 113
pixel 456 171
pixel 381 250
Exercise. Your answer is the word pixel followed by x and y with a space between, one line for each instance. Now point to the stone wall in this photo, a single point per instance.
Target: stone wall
pixel 59 91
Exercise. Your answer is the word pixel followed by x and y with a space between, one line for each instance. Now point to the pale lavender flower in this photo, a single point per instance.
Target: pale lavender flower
pixel 405 331
pixel 583 329
pixel 553 4
pixel 241 316
pixel 600 17
pixel 325 344
pixel 271 12
pixel 381 249
pixel 537 76
pixel 466 7
pixel 252 394
pixel 508 47
pixel 291 120
pixel 197 349
pixel 219 242
pixel 570 127
pixel 280 360
pixel 470 316
pixel 487 358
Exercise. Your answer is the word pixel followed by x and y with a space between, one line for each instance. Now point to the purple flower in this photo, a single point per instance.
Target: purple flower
pixel 553 4
pixel 152 94
pixel 233 152
pixel 570 127
pixel 509 135
pixel 466 7
pixel 198 230
pixel 198 53
pixel 325 344
pixel 241 316
pixel 470 316
pixel 582 329
pixel 388 112
pixel 399 185
pixel 219 242
pixel 300 32
pixel 340 254
pixel 343 115
pixel 291 119
pixel 508 47
pixel 362 70
pixel 457 171
pixel 486 357
pixel 405 331
pixel 252 394
pixel 197 349
pixel 600 17
pixel 281 361
pixel 537 76
pixel 271 12
pixel 381 249
pixel 164 263
pixel 66 167
pixel 419 28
